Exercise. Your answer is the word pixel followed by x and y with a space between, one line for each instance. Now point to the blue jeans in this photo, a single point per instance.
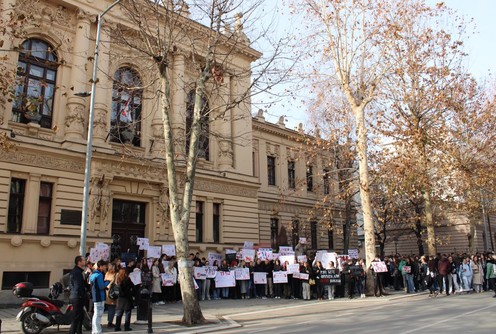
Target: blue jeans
pixel 96 323
pixel 409 280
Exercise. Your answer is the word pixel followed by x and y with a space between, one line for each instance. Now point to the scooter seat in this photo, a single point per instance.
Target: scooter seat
pixel 58 303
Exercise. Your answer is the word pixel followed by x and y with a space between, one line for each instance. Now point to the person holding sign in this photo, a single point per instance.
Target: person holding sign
pixel 157 284
pixel 259 288
pixel 170 290
pixel 305 286
pixel 320 288
pixel 331 287
pixel 277 286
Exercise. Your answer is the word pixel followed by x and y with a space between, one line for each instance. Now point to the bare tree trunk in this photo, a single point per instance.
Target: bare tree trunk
pixel 368 221
pixel 418 234
pixel 429 223
pixel 347 226
pixel 180 211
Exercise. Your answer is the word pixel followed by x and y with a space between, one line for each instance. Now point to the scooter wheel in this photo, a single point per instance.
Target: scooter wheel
pixel 31 325
pixel 87 320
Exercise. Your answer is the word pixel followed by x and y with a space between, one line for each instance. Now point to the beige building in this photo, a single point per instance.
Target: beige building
pixel 254 182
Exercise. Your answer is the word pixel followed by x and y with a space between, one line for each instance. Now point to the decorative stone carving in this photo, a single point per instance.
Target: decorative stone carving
pixel 95 197
pixel 45 242
pixel 42 161
pixel 238 29
pixel 272 149
pixel 100 125
pixel 225 153
pixel 223 188
pixel 16 241
pixel 105 199
pixel 163 203
pixel 74 120
pixel 72 243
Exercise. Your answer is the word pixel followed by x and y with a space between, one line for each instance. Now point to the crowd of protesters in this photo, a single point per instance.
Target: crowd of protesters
pixel 444 273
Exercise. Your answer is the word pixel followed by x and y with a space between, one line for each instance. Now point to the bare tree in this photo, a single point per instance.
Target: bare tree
pixel 157 33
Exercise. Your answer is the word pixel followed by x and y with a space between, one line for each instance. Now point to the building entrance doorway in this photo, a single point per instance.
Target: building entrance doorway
pixel 128 224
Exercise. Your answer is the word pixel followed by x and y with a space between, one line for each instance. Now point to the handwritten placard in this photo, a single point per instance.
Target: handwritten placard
pixel 279 277
pixel 260 278
pixel 225 279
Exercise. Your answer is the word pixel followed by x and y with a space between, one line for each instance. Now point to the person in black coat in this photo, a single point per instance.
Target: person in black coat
pixel 77 285
pixel 125 300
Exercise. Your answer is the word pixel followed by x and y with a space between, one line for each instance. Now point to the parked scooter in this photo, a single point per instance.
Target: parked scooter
pixel 39 312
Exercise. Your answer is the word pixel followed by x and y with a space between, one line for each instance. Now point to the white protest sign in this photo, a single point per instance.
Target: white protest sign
pixel 302 240
pixel 225 279
pixel 264 254
pixel 302 258
pixel 279 277
pixel 248 245
pixel 212 257
pixel 211 271
pixel 327 258
pixel 143 243
pixel 154 251
pixel 380 267
pixel 248 255
pixel 168 279
pixel 242 274
pixel 293 268
pixel 286 250
pixel 196 284
pixel 289 258
pixel 169 250
pixel 296 275
pixel 341 261
pixel 230 251
pixel 303 276
pixel 353 253
pixel 135 277
pixel 275 256
pixel 200 273
pixel 94 255
pixel 165 264
pixel 260 278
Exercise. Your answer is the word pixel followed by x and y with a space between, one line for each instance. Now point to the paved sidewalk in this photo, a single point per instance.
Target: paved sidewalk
pixel 166 318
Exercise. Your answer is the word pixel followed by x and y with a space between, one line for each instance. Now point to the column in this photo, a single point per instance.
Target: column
pixel 208 227
pixel 178 114
pixel 241 124
pixel 10 62
pixel 76 106
pixel 225 155
pixel 104 90
pixel 30 225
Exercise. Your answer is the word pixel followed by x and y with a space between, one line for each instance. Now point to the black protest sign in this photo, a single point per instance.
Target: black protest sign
pixel 330 276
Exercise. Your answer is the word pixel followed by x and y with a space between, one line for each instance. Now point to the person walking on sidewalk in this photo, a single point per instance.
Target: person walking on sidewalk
pixel 77 287
pixel 125 300
pixel 491 273
pixel 98 287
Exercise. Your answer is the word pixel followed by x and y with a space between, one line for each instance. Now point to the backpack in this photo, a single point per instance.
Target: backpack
pixel 114 291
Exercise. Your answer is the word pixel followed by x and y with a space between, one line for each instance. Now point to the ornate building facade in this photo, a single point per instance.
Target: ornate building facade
pixel 248 179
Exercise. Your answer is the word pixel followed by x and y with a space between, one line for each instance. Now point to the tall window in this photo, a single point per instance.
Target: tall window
pixel 327 188
pixel 16 205
pixel 291 175
pixel 125 121
pixel 35 85
pixel 44 208
pixel 203 141
pixel 199 221
pixel 271 170
pixel 313 235
pixel 216 222
pixel 274 232
pixel 330 238
pixel 309 178
pixel 295 232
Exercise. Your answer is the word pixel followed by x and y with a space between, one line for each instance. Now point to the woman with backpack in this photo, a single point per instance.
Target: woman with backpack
pixel 125 300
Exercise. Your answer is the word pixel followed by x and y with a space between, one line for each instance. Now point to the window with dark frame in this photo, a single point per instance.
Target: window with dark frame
pixel 327 188
pixel 44 208
pixel 39 279
pixel 199 222
pixel 295 232
pixel 216 222
pixel 291 175
pixel 124 212
pixel 309 178
pixel 125 119
pixel 330 238
pixel 35 83
pixel 271 170
pixel 313 235
pixel 16 205
pixel 274 232
pixel 203 140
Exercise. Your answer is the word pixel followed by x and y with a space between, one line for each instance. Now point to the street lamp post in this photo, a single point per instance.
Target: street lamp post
pixel 87 169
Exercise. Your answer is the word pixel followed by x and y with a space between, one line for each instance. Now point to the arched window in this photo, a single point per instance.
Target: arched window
pixel 125 121
pixel 203 151
pixel 35 84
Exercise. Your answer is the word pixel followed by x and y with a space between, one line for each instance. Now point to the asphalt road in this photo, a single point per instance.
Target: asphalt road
pixel 474 313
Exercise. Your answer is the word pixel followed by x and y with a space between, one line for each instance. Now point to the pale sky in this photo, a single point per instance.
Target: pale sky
pixel 481 47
